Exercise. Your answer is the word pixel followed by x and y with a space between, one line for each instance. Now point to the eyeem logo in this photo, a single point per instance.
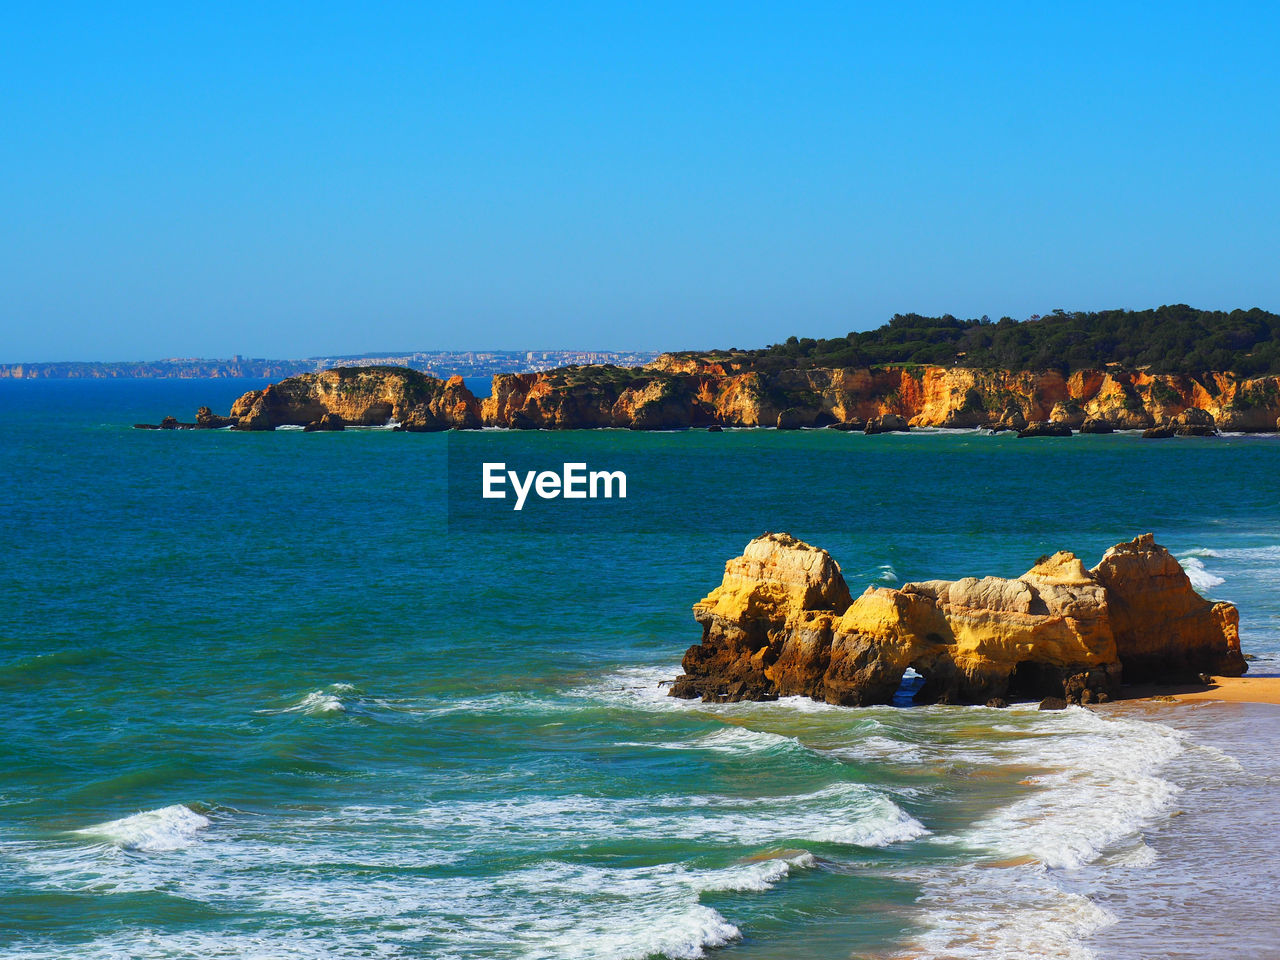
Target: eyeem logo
pixel 573 482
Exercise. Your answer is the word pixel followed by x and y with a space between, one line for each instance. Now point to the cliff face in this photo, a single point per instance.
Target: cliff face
pixel 782 623
pixel 683 391
pixel 368 396
pixel 679 392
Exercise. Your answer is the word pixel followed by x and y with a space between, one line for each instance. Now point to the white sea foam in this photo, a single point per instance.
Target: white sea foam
pixel 1094 786
pixel 729 740
pixel 994 913
pixel 557 906
pixel 547 909
pixel 1100 788
pixel 1200 578
pixel 152 831
pixel 849 814
pixel 1200 552
pixel 1266 554
pixel 742 740
pixel 318 703
pixel 887 574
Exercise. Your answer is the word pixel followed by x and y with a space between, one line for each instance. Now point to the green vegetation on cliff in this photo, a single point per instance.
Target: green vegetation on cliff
pixel 1168 339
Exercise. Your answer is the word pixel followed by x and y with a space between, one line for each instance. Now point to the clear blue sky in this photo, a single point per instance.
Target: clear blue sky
pixel 288 181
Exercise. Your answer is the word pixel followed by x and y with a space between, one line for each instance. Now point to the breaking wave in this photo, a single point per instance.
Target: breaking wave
pixel 1200 578
pixel 152 831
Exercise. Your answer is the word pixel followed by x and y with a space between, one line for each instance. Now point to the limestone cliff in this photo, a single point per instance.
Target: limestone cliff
pixel 781 623
pixel 680 391
pixel 368 396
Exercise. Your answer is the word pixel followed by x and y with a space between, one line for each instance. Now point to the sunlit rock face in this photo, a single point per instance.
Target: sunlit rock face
pixel 782 623
pixel 367 396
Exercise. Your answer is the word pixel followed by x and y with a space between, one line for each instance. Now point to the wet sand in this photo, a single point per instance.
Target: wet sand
pixel 1214 871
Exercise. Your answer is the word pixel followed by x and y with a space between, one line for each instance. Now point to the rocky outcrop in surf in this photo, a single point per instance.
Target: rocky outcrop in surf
pixel 1164 630
pixel 782 623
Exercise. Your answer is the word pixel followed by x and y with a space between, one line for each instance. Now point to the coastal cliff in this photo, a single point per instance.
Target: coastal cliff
pixel 679 392
pixel 369 396
pixel 782 623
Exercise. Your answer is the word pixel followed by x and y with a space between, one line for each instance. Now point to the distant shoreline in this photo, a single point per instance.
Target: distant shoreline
pixel 438 363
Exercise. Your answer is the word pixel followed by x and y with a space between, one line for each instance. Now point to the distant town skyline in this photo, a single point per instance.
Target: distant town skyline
pixel 466 363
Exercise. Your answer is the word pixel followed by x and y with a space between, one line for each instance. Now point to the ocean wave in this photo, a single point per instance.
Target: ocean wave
pixel 174 827
pixel 730 740
pixel 1093 786
pixel 1003 913
pixel 22 669
pixel 1100 787
pixel 849 814
pixel 1268 555
pixel 644 688
pixel 1200 552
pixel 550 908
pixel 318 703
pixel 1200 578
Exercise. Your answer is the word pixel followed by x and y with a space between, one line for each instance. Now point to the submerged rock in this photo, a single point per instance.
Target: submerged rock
pixel 782 623
pixel 886 423
pixel 330 421
pixel 206 419
pixel 849 426
pixel 1097 425
pixel 168 423
pixel 1045 428
pixel 1194 423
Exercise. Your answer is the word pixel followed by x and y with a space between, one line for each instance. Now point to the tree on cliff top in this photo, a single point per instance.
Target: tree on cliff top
pixel 1168 339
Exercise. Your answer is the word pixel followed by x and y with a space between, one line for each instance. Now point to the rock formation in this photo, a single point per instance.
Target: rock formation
pixel 767 601
pixel 886 423
pixel 679 392
pixel 1194 422
pixel 206 419
pixel 782 623
pixel 329 422
pixel 1164 630
pixel 1046 428
pixel 369 396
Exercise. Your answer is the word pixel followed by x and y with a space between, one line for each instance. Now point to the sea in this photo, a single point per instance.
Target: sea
pixel 291 695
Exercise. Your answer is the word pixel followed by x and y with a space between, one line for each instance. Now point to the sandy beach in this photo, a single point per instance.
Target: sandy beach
pixel 1225 689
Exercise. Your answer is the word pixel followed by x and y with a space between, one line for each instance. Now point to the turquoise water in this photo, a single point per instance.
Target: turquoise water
pixel 287 695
